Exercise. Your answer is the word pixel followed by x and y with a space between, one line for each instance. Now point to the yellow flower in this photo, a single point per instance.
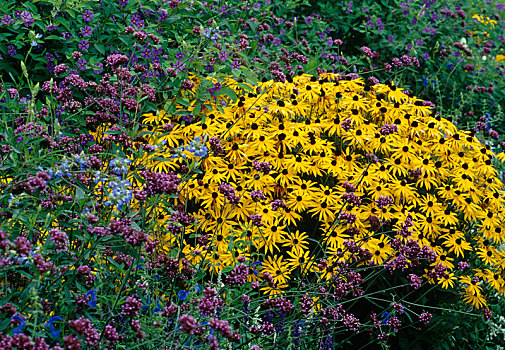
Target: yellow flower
pixel 381 249
pixel 455 241
pixel 296 241
pixel 474 298
pixel 488 255
pixel 314 142
pixel 277 268
pixel 447 280
pixel 300 258
pixel 444 260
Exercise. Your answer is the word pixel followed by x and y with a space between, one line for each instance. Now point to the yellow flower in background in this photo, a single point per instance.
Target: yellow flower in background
pixel 485 20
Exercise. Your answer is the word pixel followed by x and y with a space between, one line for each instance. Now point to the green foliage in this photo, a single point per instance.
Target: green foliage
pixel 47 133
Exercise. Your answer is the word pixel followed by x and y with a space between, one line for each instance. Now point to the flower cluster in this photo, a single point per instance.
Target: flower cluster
pixel 294 139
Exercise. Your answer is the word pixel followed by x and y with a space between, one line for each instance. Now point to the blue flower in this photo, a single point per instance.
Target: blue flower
pixel 158 307
pixel 197 147
pixel 92 301
pixel 182 295
pixel 425 81
pixel 19 328
pixel 54 333
pixel 197 288
pixel 387 314
pixel 255 270
pixel 211 34
pixel 120 193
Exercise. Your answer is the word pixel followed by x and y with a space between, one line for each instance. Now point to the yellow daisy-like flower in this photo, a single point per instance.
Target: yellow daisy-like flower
pixel 448 280
pixel 456 243
pixel 327 154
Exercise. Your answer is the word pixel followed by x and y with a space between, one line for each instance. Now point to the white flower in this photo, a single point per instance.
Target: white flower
pixel 463 42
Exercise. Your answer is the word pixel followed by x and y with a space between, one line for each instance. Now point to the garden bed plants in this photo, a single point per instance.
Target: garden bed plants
pixel 205 175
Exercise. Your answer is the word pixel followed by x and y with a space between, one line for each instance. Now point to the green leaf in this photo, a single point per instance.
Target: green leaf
pixel 79 194
pixel 228 92
pixel 125 40
pixel 182 112
pixel 313 63
pixel 253 25
pixel 245 87
pixel 113 132
pixel 183 101
pixel 252 81
pixel 197 109
pixel 100 48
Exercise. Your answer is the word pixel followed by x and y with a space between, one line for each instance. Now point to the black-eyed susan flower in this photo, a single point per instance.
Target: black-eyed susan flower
pixel 296 241
pixel 316 135
pixel 455 242
pixel 448 280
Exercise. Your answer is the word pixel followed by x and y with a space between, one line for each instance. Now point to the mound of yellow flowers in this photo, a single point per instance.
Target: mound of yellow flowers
pixel 295 171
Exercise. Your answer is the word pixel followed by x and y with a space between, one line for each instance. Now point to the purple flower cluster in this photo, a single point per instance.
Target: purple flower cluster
pixel 229 192
pixel 350 197
pixel 123 228
pixel 157 183
pixel 223 327
pixel 187 324
pixel 405 227
pixel 384 201
pixel 415 281
pixel 84 328
pixel 215 145
pixel 258 195
pixel 388 129
pixel 60 239
pixel 425 317
pixel 351 322
pixel 349 218
pixel 209 302
pixel 115 60
pixel 237 276
pixel 346 124
pixel 256 219
pixel 263 167
pixel 177 222
pixel 278 203
pixel 132 306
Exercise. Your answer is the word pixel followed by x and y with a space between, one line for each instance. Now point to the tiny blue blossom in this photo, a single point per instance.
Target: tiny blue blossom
pixel 120 194
pixel 386 315
pixel 54 333
pixel 119 166
pixel 19 328
pixel 256 266
pixel 197 147
pixel 182 295
pixel 92 294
